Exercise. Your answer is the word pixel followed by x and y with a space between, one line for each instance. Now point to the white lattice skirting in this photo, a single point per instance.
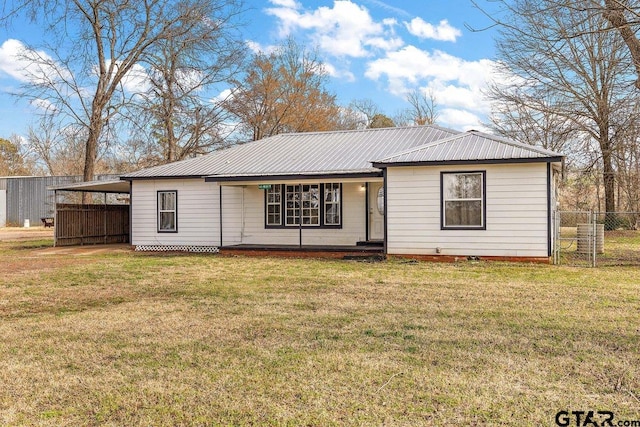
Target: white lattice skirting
pixel 178 248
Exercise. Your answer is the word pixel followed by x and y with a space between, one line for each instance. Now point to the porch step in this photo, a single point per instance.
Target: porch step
pixel 379 243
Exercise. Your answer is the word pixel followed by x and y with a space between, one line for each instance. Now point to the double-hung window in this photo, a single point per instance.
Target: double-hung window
pixel 309 205
pixel 167 211
pixel 463 200
pixel 274 205
pixel 332 204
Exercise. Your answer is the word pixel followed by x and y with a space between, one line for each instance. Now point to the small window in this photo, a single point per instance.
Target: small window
pixel 332 204
pixel 463 200
pixel 167 211
pixel 274 205
pixel 380 201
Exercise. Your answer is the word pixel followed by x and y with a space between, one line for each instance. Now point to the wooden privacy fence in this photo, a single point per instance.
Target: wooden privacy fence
pixel 91 224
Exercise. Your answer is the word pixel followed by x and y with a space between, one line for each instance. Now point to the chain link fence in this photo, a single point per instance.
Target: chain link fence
pixel 596 238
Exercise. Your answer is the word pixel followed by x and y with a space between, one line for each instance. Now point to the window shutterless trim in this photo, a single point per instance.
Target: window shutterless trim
pixel 483 200
pixel 175 211
pixel 283 217
pixel 267 204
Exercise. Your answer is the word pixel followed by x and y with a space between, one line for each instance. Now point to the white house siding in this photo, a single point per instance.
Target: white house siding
pixel 198 213
pixel 353 221
pixel 516 212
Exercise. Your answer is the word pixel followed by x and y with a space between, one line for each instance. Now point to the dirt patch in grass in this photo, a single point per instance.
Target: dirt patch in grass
pixel 12 234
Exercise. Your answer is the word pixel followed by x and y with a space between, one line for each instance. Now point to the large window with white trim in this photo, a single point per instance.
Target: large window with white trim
pixel 167 211
pixel 463 200
pixel 309 205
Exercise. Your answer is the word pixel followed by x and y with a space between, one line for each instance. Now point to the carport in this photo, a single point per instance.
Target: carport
pixel 94 212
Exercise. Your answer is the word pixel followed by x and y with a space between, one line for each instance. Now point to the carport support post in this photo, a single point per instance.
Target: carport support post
pixel 105 217
pixel 55 218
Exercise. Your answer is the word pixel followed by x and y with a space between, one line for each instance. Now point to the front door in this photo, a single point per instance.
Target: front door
pixel 376 211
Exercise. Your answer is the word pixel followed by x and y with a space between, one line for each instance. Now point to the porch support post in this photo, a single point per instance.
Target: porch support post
pixel 104 216
pixel 55 217
pixel 300 214
pixel 386 208
pixel 220 210
pixel 366 213
pixel 549 210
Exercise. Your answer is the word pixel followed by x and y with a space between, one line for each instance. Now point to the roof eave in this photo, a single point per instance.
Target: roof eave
pixel 140 178
pixel 282 177
pixel 383 164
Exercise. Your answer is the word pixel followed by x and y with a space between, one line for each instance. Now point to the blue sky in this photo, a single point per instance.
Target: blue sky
pixel 372 49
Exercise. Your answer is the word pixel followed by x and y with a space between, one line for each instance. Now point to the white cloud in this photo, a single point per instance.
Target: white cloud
pixel 44 105
pixel 256 47
pixel 222 96
pixel 457 84
pixel 460 119
pixel 137 80
pixel 285 3
pixel 388 7
pixel 424 30
pixel 410 65
pixel 346 29
pixel 24 64
pixel 341 74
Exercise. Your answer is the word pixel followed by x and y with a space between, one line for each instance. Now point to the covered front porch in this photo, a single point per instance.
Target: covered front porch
pixel 307 216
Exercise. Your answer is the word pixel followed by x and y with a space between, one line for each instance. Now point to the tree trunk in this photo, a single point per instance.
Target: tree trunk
pixel 608 177
pixel 91 147
pixel 614 13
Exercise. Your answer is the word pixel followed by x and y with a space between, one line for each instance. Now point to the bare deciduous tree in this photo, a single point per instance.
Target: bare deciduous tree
pixel 13 158
pixel 423 109
pixel 283 91
pixel 531 121
pixel 61 151
pixel 381 121
pixel 182 68
pixel 366 109
pixel 583 77
pixel 97 47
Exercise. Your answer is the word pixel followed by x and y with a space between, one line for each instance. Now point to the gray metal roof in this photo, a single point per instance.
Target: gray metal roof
pixel 310 153
pixel 346 152
pixel 470 147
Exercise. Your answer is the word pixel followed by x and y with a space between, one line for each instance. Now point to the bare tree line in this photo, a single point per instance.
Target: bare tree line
pixel 568 80
pixel 127 85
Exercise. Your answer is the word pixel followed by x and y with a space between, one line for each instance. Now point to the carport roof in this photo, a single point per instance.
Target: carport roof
pixel 113 186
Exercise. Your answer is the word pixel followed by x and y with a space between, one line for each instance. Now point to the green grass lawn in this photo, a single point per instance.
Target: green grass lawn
pixel 142 339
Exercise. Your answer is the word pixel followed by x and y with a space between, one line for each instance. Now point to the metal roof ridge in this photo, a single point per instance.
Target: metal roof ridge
pixel 423 146
pixel 295 173
pixel 513 143
pixel 366 130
